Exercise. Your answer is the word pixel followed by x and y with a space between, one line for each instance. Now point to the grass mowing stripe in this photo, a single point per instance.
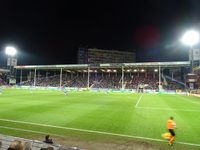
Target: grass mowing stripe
pixel 139 100
pixel 83 130
pixel 189 100
pixel 160 108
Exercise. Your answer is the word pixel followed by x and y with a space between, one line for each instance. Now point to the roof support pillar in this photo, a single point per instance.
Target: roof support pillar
pixel 159 79
pixel 21 77
pixel 88 81
pixel 35 77
pixel 122 77
pixel 60 77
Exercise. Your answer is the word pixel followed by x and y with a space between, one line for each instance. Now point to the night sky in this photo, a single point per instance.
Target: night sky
pixel 50 32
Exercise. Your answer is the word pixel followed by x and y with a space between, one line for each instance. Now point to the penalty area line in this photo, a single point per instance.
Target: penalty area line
pixel 139 100
pixel 84 130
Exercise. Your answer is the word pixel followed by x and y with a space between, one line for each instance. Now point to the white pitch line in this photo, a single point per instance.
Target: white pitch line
pixel 84 130
pixel 160 108
pixel 38 132
pixel 139 100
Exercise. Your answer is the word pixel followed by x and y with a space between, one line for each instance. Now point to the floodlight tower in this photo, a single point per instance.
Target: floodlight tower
pixel 11 63
pixel 191 38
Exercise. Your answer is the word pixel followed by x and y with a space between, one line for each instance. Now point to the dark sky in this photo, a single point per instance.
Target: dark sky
pixel 50 32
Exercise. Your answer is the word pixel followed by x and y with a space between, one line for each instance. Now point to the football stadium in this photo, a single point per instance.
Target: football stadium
pixel 119 103
pixel 94 75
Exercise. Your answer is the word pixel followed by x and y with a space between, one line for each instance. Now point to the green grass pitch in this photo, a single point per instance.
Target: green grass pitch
pixel 142 115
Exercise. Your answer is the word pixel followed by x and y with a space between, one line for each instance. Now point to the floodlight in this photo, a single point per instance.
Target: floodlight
pixel 11 51
pixel 142 70
pixel 190 38
pixel 135 70
pixel 155 70
pixel 108 70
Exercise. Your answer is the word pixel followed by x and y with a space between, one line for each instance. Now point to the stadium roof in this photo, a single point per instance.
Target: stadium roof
pixel 117 65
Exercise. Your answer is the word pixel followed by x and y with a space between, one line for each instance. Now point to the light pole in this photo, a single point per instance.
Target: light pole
pixel 11 62
pixel 191 38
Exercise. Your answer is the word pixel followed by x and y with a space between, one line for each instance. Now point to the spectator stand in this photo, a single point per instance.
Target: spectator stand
pixel 109 76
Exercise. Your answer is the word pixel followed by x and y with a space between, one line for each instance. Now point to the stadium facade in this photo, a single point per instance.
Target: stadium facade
pixel 97 56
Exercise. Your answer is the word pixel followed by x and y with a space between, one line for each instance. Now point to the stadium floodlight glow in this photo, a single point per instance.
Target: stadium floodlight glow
pixel 190 38
pixel 142 70
pixel 135 70
pixel 128 70
pixel 155 70
pixel 11 51
pixel 108 70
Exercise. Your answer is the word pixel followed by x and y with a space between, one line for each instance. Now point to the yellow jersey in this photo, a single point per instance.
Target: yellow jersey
pixel 171 124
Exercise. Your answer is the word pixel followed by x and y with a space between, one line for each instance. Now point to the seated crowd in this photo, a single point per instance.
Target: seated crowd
pixel 100 80
pixel 2 82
